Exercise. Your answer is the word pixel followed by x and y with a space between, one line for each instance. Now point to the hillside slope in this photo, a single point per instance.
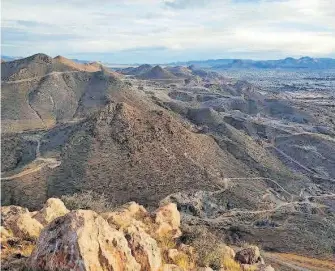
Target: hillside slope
pixel 39 92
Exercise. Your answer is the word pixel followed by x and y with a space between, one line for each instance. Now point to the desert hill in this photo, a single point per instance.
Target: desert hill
pixel 151 154
pixel 136 70
pixel 39 91
pixel 157 72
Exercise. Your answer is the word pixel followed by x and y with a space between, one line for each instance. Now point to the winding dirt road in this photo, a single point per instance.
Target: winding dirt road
pixel 46 162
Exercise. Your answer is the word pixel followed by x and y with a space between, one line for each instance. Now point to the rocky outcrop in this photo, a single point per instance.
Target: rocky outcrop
pixel 17 221
pixel 26 227
pixel 52 209
pixel 168 219
pixel 250 255
pixel 9 214
pixel 128 238
pixel 144 248
pixel 82 240
pixel 128 214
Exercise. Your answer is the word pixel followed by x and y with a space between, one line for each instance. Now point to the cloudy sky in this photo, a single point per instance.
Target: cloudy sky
pixel 158 31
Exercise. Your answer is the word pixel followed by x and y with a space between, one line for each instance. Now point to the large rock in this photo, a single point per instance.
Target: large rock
pixel 144 249
pixel 10 214
pixel 52 209
pixel 17 221
pixel 5 234
pixel 167 218
pixel 26 227
pixel 128 214
pixel 82 240
pixel 250 255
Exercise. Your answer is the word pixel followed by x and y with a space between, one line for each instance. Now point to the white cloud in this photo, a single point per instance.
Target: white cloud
pixel 290 27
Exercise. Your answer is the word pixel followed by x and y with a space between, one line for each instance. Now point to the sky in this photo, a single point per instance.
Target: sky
pixel 161 31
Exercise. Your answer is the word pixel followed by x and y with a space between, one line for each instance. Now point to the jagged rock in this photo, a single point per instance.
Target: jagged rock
pixel 26 227
pixel 128 214
pixel 229 252
pixel 52 209
pixel 133 209
pixel 144 249
pixel 177 257
pixel 17 221
pixel 168 219
pixel 250 255
pixel 9 214
pixel 82 240
pixel 173 254
pixel 4 233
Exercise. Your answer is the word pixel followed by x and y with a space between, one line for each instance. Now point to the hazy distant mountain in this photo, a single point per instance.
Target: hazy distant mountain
pixel 8 58
pixel 287 63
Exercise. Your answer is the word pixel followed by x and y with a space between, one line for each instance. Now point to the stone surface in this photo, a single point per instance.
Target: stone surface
pixel 4 233
pixel 167 218
pixel 128 214
pixel 52 209
pixel 144 249
pixel 250 255
pixel 26 227
pixel 229 251
pixel 17 221
pixel 9 214
pixel 82 240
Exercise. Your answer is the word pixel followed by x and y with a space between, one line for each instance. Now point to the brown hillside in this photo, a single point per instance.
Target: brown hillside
pixel 157 72
pixel 38 92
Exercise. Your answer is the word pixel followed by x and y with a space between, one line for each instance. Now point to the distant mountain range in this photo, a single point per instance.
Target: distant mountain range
pixel 224 64
pixel 287 63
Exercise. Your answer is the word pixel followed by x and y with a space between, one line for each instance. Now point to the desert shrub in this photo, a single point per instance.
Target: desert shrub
pixel 183 261
pixel 230 264
pixel 166 242
pixel 210 251
pixel 87 200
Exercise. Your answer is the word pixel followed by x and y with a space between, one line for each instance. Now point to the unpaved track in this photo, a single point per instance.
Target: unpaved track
pixel 267 179
pixel 49 162
pixel 36 77
pixel 292 266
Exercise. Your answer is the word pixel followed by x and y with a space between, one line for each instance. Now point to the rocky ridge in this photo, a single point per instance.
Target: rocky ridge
pixel 127 238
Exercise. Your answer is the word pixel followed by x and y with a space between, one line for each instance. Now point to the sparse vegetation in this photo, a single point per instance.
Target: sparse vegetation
pixel 230 264
pixel 210 250
pixel 88 200
pixel 183 261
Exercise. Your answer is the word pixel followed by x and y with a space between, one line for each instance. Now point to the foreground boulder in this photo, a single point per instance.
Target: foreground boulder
pixel 52 209
pixel 17 221
pixel 144 248
pixel 26 227
pixel 129 214
pixel 9 214
pixel 82 240
pixel 168 219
